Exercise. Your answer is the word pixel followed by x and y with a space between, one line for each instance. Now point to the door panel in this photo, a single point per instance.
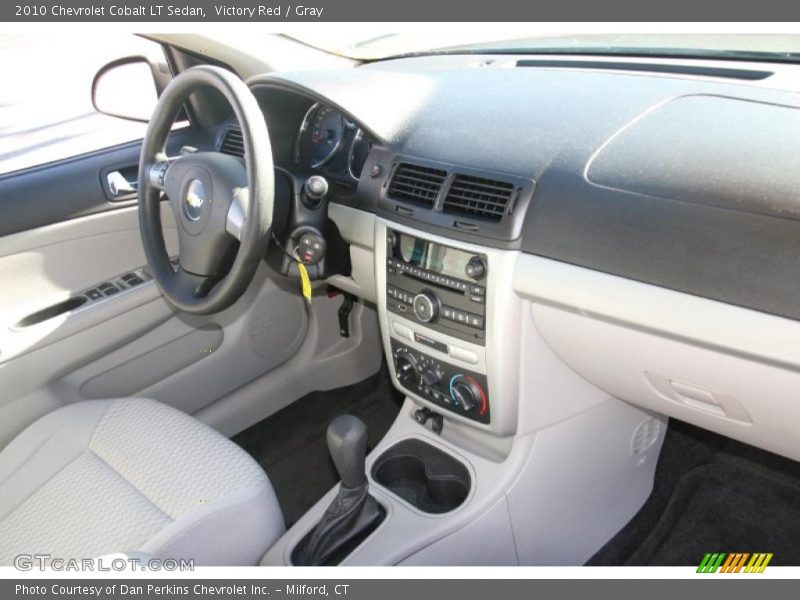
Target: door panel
pixel 71 188
pixel 129 343
pixel 43 267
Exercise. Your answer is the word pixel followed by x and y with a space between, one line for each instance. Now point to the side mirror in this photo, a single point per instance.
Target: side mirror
pixel 129 87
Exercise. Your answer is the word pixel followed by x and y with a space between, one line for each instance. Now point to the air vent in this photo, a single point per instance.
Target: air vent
pixel 232 143
pixel 416 183
pixel 645 435
pixel 479 197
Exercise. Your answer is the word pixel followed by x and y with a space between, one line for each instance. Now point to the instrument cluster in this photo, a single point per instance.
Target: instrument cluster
pixel 329 142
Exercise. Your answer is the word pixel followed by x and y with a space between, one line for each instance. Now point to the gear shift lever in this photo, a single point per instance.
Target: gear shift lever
pixel 353 513
pixel 347 443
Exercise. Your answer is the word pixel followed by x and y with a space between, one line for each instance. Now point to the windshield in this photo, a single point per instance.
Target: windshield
pixel 783 47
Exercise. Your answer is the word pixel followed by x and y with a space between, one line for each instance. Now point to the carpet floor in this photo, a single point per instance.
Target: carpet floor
pixel 712 494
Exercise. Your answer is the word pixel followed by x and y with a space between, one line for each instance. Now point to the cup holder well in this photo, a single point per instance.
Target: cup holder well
pixel 424 476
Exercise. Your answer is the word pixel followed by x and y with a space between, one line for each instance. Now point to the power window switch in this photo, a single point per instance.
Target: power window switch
pixel 93 294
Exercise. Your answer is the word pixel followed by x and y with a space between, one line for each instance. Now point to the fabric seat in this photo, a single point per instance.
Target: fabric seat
pixel 133 476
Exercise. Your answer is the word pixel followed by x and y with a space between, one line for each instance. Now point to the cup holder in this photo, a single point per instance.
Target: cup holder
pixel 424 476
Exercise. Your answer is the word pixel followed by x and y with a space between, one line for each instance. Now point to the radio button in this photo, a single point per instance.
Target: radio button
pixel 476 268
pixel 477 290
pixel 478 299
pixel 476 321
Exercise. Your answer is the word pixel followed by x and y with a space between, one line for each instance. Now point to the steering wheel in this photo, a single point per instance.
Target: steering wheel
pixel 215 198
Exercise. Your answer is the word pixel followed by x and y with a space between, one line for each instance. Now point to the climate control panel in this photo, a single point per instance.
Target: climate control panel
pixel 453 388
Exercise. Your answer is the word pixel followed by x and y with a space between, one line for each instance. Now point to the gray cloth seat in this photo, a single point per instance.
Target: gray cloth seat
pixel 133 476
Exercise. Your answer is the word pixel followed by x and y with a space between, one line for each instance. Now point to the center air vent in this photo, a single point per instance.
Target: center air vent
pixel 232 143
pixel 479 197
pixel 416 183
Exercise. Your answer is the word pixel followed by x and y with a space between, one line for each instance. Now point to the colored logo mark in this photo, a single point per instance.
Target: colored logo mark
pixel 735 562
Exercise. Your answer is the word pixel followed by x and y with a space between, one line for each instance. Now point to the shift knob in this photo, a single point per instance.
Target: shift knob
pixel 347 443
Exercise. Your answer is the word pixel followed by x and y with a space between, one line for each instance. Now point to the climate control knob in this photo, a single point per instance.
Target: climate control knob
pixel 405 365
pixel 468 395
pixel 426 306
pixel 431 377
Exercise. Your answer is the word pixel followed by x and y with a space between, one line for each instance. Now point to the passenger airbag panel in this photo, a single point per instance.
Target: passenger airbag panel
pixel 713 150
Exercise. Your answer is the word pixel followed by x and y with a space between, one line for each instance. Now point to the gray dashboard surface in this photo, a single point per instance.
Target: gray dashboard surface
pixel 701 198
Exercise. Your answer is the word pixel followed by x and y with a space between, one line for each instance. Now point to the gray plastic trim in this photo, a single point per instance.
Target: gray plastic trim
pixel 708 323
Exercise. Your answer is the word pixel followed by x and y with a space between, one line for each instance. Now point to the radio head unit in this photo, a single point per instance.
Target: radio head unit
pixel 437 285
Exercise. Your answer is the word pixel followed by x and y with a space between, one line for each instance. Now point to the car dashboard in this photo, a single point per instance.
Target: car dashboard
pixel 673 177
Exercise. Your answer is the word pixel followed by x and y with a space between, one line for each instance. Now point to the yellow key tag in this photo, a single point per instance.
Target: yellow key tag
pixel 305 282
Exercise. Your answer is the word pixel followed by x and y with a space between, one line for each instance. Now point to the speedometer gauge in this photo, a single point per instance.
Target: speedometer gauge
pixel 359 151
pixel 324 130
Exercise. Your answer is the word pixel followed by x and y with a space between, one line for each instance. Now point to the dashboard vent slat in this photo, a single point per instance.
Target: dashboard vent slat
pixel 232 143
pixel 416 183
pixel 479 197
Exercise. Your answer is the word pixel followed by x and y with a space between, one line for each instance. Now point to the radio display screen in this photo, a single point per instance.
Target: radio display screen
pixel 430 256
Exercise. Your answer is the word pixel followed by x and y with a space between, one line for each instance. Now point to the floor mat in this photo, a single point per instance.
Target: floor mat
pixel 712 494
pixel 291 446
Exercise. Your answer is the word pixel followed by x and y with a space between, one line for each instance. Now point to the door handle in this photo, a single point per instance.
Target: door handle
pixel 118 185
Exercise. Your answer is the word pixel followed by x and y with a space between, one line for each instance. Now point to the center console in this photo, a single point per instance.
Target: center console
pixel 515 428
pixel 438 295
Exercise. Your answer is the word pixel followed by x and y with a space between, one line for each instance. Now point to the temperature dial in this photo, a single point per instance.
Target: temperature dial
pixel 468 394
